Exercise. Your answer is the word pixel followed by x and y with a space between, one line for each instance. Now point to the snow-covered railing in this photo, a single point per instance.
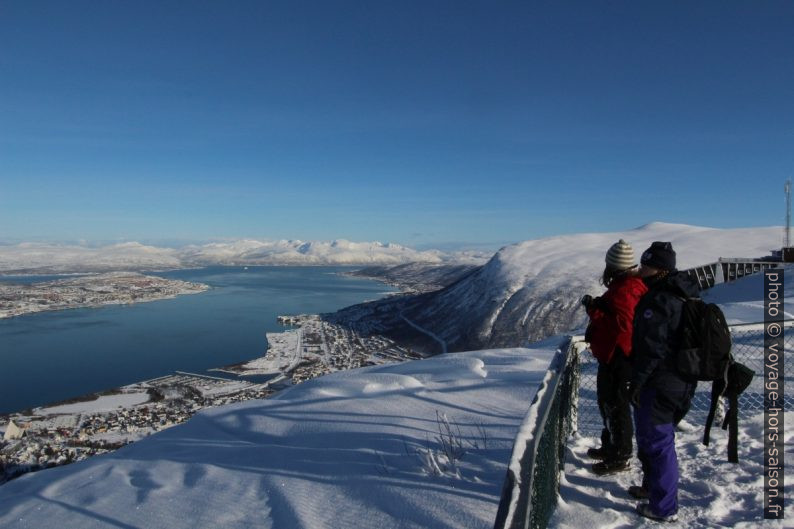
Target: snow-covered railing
pixel 530 489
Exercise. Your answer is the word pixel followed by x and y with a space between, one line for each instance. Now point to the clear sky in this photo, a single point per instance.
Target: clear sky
pixel 418 122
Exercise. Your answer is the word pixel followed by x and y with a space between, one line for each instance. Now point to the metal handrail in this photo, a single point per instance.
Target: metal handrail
pixel 760 325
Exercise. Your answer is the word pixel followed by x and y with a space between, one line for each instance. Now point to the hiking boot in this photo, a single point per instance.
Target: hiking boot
pixel 597 453
pixel 638 492
pixel 612 466
pixel 643 509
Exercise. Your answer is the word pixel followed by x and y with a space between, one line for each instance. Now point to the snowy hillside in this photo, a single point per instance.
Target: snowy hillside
pixel 532 289
pixel 49 258
pixel 356 449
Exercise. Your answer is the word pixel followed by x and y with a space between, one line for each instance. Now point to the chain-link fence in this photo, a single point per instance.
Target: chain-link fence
pixel 530 492
pixel 748 349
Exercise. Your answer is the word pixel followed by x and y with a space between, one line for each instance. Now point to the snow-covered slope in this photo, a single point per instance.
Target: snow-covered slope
pixel 47 258
pixel 532 289
pixel 356 449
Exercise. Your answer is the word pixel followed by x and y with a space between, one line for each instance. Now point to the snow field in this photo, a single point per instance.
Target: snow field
pixel 351 449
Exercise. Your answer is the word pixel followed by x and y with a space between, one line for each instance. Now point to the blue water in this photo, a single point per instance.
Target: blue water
pixel 52 356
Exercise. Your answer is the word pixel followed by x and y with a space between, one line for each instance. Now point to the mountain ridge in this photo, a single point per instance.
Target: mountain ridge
pixel 531 290
pixel 30 257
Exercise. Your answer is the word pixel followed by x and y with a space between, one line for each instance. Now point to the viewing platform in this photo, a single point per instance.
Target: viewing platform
pixel 726 270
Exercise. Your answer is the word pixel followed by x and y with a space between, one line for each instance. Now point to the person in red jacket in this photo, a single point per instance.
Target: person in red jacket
pixel 609 334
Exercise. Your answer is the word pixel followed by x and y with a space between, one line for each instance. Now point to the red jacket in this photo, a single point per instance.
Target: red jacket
pixel 611 318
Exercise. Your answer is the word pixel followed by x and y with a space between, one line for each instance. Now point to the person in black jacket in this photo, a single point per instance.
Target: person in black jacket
pixel 661 397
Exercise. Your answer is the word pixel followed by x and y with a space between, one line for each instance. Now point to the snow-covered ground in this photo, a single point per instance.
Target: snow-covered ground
pixel 98 405
pixel 712 492
pixel 356 449
pixel 283 353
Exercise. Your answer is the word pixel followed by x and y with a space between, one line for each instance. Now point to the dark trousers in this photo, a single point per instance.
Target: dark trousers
pixel 658 413
pixel 613 403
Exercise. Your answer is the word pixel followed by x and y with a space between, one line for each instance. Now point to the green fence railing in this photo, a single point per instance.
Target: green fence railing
pixel 747 348
pixel 532 483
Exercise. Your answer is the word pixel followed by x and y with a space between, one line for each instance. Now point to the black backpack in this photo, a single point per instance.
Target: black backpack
pixel 704 353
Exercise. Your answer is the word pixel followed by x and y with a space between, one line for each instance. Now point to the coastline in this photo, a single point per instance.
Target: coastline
pixel 76 428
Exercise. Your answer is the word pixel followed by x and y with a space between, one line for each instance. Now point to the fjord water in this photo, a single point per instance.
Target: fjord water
pixel 52 356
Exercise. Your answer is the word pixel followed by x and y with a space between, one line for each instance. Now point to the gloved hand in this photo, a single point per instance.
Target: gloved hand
pixel 587 299
pixel 634 395
pixel 600 304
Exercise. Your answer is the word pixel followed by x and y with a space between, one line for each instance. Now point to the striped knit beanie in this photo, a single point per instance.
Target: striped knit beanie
pixel 620 256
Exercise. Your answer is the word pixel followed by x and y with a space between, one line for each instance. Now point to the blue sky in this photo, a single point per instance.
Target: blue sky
pixel 424 123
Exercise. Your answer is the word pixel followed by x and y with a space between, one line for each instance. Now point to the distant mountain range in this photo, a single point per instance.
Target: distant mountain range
pixel 531 290
pixel 525 292
pixel 57 258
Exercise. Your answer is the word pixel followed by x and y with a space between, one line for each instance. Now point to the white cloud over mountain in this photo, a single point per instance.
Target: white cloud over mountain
pixel 41 257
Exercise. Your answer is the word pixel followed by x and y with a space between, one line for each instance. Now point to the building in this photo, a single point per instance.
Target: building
pixel 13 432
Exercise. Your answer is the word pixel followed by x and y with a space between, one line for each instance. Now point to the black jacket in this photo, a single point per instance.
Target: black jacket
pixel 656 337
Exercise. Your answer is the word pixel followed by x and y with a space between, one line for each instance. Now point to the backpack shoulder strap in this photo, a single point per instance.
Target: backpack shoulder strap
pixel 732 420
pixel 717 389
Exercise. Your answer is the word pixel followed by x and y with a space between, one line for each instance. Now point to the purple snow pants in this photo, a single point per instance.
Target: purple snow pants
pixel 655 421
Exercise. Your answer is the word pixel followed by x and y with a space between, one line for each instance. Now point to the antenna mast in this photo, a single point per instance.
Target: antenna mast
pixel 787 188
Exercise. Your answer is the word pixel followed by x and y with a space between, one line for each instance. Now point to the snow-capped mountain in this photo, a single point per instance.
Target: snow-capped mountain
pixel 338 252
pixel 54 258
pixel 531 290
pixel 46 258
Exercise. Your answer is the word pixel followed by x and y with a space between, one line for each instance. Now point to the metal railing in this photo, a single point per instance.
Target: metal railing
pixel 728 269
pixel 748 348
pixel 532 483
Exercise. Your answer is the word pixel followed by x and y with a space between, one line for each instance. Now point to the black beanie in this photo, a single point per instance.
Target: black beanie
pixel 660 255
